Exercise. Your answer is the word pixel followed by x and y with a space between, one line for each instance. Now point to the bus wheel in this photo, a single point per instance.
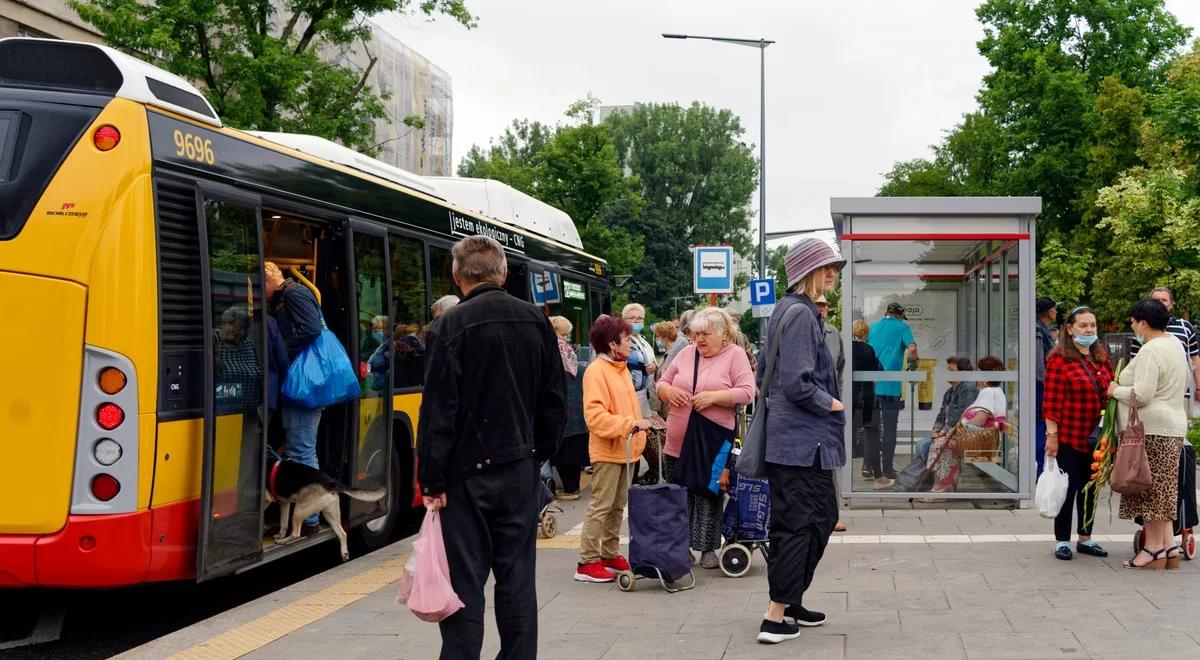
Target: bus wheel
pixel 380 531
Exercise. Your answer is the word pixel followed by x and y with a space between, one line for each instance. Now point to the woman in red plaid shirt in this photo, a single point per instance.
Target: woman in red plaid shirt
pixel 1077 378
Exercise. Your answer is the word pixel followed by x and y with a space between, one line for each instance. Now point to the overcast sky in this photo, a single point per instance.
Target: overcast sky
pixel 852 86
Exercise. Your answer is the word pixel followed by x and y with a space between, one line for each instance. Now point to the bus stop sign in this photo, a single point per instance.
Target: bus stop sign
pixel 712 269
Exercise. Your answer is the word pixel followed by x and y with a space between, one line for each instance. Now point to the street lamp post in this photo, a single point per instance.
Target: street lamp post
pixel 761 45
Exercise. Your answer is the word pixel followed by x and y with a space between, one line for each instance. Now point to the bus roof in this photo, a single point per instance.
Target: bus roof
pixel 29 62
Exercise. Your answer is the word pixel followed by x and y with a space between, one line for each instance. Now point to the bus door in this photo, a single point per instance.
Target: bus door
pixel 374 342
pixel 234 381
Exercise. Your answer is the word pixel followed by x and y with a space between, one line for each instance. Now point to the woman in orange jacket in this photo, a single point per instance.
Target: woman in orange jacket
pixel 613 414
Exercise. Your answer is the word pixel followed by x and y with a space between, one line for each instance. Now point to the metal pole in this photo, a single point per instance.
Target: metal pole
pixel 762 179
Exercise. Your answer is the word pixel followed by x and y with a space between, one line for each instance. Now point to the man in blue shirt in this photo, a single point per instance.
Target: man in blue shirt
pixel 892 340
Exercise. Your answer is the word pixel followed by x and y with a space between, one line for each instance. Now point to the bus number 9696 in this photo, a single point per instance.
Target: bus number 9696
pixel 194 147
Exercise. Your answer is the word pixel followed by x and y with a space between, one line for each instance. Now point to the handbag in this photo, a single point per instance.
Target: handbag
pixel 1131 469
pixel 705 450
pixel 321 375
pixel 752 462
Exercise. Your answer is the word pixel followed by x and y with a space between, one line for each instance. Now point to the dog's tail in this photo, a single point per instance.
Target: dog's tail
pixel 363 495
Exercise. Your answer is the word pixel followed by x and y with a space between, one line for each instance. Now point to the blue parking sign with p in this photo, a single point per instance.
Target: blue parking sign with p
pixel 762 292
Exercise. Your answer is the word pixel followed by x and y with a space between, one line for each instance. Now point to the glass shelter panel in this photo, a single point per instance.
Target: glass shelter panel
pixel 232 531
pixel 934 309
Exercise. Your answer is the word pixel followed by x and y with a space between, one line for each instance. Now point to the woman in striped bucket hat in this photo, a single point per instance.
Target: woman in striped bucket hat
pixel 804 438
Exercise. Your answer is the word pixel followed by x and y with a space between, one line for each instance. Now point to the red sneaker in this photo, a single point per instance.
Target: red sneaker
pixel 616 564
pixel 593 572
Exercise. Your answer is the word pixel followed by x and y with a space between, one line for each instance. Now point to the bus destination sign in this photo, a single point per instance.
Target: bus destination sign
pixel 461 225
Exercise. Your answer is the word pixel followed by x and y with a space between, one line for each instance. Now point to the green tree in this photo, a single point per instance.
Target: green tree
pixel 575 169
pixel 259 69
pixel 1152 212
pixel 697 179
pixel 1063 272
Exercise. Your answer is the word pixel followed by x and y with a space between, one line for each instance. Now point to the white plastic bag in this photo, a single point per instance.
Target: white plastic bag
pixel 1051 491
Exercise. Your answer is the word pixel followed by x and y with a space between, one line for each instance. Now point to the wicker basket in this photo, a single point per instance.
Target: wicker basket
pixel 979 445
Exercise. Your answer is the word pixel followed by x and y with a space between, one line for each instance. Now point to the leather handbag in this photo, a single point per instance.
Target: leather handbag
pixel 752 461
pixel 1131 469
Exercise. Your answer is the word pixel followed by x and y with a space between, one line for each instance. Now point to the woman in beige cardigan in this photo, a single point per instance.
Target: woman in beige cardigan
pixel 1157 377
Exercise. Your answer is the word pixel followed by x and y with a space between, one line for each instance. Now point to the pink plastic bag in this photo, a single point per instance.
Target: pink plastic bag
pixel 425 586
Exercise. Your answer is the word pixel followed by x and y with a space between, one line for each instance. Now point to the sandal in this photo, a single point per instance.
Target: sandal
pixel 1157 560
pixel 841 527
pixel 1173 560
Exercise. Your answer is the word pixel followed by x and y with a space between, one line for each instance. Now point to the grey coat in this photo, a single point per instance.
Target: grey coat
pixel 801 430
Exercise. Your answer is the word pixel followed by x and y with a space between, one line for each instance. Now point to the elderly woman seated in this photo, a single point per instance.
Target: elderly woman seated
pixel 986 412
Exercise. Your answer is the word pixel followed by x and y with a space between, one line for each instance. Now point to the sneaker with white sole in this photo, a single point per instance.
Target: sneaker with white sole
pixel 803 617
pixel 592 572
pixel 774 632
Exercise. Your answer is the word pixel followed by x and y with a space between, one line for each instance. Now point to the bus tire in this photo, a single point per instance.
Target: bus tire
pixel 379 532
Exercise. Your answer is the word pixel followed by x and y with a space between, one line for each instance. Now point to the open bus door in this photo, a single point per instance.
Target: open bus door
pixel 372 344
pixel 235 336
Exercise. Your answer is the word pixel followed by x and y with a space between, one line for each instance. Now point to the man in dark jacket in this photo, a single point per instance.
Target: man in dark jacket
pixel 298 315
pixel 493 407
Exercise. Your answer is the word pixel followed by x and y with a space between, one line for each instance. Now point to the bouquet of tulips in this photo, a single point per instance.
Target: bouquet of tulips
pixel 1103 455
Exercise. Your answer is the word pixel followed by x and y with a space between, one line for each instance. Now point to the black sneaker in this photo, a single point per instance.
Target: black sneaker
pixel 771 632
pixel 803 617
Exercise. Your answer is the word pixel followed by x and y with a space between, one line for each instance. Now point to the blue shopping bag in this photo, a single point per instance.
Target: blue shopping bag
pixel 321 375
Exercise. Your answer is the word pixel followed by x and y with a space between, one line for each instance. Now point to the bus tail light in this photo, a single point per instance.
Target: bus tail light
pixel 106 138
pixel 106 444
pixel 109 416
pixel 105 487
pixel 112 380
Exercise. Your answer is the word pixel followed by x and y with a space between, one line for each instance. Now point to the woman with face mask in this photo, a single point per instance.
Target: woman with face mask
pixel 1077 379
pixel 1155 382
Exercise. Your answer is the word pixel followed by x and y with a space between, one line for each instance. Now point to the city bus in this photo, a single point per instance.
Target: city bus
pixel 134 226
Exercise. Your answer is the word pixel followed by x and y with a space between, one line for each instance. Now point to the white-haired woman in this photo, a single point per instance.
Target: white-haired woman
pixel 711 376
pixel 642 363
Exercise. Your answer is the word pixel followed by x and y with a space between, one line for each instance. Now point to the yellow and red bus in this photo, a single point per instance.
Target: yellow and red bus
pixel 133 230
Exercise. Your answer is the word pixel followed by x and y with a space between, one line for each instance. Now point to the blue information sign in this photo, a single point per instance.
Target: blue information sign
pixel 712 269
pixel 544 285
pixel 762 292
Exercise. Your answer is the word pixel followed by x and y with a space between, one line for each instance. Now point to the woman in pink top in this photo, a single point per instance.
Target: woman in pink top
pixel 724 381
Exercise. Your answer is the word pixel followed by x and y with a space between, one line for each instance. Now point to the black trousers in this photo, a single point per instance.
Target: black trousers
pixel 490 526
pixel 1078 467
pixel 570 477
pixel 881 449
pixel 804 510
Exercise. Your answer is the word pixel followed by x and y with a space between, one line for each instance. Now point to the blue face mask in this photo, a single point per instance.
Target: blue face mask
pixel 660 346
pixel 637 328
pixel 1085 340
pixel 1139 339
pixel 377 335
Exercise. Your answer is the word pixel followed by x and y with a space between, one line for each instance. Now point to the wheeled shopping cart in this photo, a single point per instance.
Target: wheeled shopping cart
pixel 659 533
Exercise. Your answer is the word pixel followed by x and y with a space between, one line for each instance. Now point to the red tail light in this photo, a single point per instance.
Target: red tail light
pixel 105 487
pixel 109 416
pixel 106 137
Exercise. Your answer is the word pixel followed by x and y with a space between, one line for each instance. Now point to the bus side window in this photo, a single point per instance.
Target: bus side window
pixel 441 281
pixel 410 309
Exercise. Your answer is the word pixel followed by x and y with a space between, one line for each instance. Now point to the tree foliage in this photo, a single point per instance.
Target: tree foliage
pixel 643 187
pixel 260 68
pixel 697 179
pixel 1072 111
pixel 573 167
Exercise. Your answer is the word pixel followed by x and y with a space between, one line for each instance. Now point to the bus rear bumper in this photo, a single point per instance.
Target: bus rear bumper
pixel 88 552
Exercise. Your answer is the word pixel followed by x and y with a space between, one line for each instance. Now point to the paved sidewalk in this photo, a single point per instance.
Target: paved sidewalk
pixel 901 583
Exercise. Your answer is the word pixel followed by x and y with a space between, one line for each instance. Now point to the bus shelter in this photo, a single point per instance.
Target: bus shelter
pixel 958 275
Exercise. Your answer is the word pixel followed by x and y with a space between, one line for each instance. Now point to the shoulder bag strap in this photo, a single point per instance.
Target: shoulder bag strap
pixel 1088 371
pixel 773 348
pixel 695 371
